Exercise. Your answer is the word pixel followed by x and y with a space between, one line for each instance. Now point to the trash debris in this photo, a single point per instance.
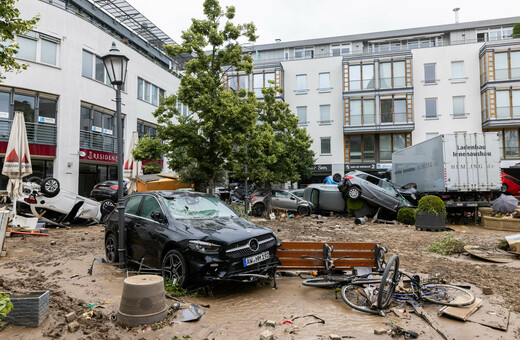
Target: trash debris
pixel 266 335
pixel 70 317
pixel 492 316
pixel 285 321
pixel 319 320
pixel 73 326
pixel 487 290
pixel 514 243
pixel 192 313
pixel 100 259
pixel 290 216
pixel 272 216
pixel 489 253
pixel 270 323
pixel 334 337
pixel 381 331
pixel 360 220
pixel 461 313
pixel 88 315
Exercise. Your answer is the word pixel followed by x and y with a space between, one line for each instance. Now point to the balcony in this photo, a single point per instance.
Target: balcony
pixel 389 122
pixel 506 116
pixel 98 141
pixel 37 133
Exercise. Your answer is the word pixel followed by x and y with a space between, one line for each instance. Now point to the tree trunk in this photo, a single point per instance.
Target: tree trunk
pixel 269 194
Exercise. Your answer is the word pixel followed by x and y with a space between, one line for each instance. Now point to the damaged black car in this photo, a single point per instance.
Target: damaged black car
pixel 191 238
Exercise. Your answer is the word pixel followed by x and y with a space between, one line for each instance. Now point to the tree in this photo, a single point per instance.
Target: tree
pixel 149 149
pixel 11 25
pixel 199 146
pixel 278 150
pixel 516 30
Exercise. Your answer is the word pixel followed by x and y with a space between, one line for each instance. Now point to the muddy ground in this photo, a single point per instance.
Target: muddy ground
pixel 59 263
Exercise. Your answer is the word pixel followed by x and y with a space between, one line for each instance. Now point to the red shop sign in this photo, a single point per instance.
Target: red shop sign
pixel 100 156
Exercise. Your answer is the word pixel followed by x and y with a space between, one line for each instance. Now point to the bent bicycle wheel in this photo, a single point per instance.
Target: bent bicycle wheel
pixel 447 295
pixel 357 297
pixel 324 282
pixel 388 283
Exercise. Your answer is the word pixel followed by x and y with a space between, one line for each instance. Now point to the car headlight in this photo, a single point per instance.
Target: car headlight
pixel 204 247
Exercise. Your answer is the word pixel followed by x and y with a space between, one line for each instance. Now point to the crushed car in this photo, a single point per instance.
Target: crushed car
pixel 43 198
pixel 379 192
pixel 279 199
pixel 191 238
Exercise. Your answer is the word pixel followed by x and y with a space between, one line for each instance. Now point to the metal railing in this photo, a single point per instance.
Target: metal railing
pixel 37 133
pixel 93 140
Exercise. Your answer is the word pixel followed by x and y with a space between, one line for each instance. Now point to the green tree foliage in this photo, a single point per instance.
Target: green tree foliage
pixel 11 25
pixel 149 148
pixel 516 30
pixel 200 145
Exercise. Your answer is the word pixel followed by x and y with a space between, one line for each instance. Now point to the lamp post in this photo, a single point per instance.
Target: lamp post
pixel 115 64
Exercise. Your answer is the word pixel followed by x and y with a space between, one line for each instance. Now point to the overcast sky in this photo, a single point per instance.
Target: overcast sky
pixel 291 20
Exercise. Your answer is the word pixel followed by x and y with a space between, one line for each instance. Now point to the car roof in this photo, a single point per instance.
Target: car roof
pixel 172 193
pixel 328 187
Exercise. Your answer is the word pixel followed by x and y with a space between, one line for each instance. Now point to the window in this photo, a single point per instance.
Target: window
pixel 304 52
pixel 368 148
pixel 393 110
pixel 302 114
pixel 92 67
pixel 503 105
pixel 399 76
pixel 361 76
pixel 47 110
pixel 149 92
pixel 26 48
pixel 132 205
pixel 301 83
pixel 4 105
pixel 48 52
pixel 100 70
pixel 25 104
pixel 325 145
pixel 385 75
pixel 183 109
pixel 511 143
pixel 494 33
pixel 515 64
pixel 458 107
pixel 324 81
pixel 391 143
pixel 362 111
pixel 360 148
pixel 145 129
pixel 515 97
pixel 457 71
pixel 325 114
pixel 340 49
pixel 87 65
pixel 429 74
pixel 150 205
pixel 355 148
pixel 431 107
pixel 501 66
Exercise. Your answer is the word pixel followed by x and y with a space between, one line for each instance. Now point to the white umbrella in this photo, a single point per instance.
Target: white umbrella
pixel 17 162
pixel 132 168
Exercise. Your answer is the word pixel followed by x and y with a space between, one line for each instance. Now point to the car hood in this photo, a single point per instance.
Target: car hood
pixel 223 230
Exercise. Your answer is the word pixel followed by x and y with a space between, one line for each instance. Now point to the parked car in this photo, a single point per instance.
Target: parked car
pixel 45 199
pixel 379 192
pixel 191 237
pixel 280 199
pixel 324 198
pixel 297 192
pixel 108 190
pixel 510 184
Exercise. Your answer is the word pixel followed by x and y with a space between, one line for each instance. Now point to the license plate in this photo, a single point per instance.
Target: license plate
pixel 255 259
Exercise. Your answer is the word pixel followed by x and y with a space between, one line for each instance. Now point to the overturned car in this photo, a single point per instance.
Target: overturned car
pixel 191 238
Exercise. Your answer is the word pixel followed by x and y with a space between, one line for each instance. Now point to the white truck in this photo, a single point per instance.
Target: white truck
pixel 462 169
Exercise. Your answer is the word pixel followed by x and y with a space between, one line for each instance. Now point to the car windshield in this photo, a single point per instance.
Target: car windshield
pixel 191 207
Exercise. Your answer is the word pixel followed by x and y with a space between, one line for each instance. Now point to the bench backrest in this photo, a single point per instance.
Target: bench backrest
pixel 360 255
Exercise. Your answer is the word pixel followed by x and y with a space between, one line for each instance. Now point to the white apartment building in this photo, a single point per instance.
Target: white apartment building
pixel 65 92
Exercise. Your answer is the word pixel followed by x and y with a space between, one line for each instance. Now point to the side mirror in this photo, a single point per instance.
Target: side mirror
pixel 157 216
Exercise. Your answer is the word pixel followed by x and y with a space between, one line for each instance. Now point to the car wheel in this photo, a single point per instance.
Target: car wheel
pixel 111 248
pixel 336 178
pixel 258 210
pixel 50 187
pixel 174 268
pixel 35 179
pixel 503 188
pixel 304 210
pixel 353 193
pixel 106 207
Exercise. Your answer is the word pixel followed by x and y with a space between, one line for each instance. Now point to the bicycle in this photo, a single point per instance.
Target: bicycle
pixel 331 279
pixel 372 299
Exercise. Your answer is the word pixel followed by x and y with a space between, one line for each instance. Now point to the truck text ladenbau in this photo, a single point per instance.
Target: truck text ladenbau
pixel 463 169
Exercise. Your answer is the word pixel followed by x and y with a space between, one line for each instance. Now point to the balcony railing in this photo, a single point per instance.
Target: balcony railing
pixel 93 140
pixel 37 133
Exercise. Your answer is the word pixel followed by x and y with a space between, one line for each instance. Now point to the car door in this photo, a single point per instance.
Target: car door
pixel 284 200
pixel 389 193
pixel 149 230
pixel 131 209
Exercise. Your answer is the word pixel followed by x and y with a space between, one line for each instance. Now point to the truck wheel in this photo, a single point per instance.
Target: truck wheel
pixel 304 210
pixel 503 188
pixel 353 193
pixel 50 187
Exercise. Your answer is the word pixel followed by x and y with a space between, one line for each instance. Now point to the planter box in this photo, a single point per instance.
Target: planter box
pixel 504 223
pixel 29 310
pixel 430 221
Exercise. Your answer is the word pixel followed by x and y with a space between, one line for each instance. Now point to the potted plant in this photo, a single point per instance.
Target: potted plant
pixel 430 214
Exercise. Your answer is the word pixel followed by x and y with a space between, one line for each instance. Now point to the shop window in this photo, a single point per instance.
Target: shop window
pixel 25 104
pixel 47 110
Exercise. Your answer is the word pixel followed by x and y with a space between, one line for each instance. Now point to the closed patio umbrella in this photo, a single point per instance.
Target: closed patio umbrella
pixel 132 168
pixel 505 204
pixel 17 163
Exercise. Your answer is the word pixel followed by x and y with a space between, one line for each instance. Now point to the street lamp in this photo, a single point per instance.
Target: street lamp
pixel 115 64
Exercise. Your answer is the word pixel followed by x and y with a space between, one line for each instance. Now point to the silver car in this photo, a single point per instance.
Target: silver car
pixel 358 184
pixel 280 199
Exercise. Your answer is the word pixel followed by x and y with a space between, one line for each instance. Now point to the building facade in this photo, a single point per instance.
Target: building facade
pixel 65 93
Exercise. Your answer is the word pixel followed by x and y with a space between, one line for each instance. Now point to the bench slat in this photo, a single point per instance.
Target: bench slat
pixel 311 263
pixel 336 245
pixel 297 254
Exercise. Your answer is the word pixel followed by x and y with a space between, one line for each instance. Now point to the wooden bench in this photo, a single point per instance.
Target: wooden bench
pixel 292 256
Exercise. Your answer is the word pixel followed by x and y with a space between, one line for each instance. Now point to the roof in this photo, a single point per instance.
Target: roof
pixel 389 34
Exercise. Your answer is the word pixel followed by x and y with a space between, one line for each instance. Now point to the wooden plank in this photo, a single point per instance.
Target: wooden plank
pixel 461 313
pixel 318 253
pixel 347 263
pixel 4 219
pixel 336 245
pixel 493 316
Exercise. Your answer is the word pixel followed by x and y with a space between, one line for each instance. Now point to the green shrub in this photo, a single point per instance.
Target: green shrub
pixel 5 306
pixel 406 215
pixel 353 205
pixel 430 203
pixel 516 30
pixel 448 245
